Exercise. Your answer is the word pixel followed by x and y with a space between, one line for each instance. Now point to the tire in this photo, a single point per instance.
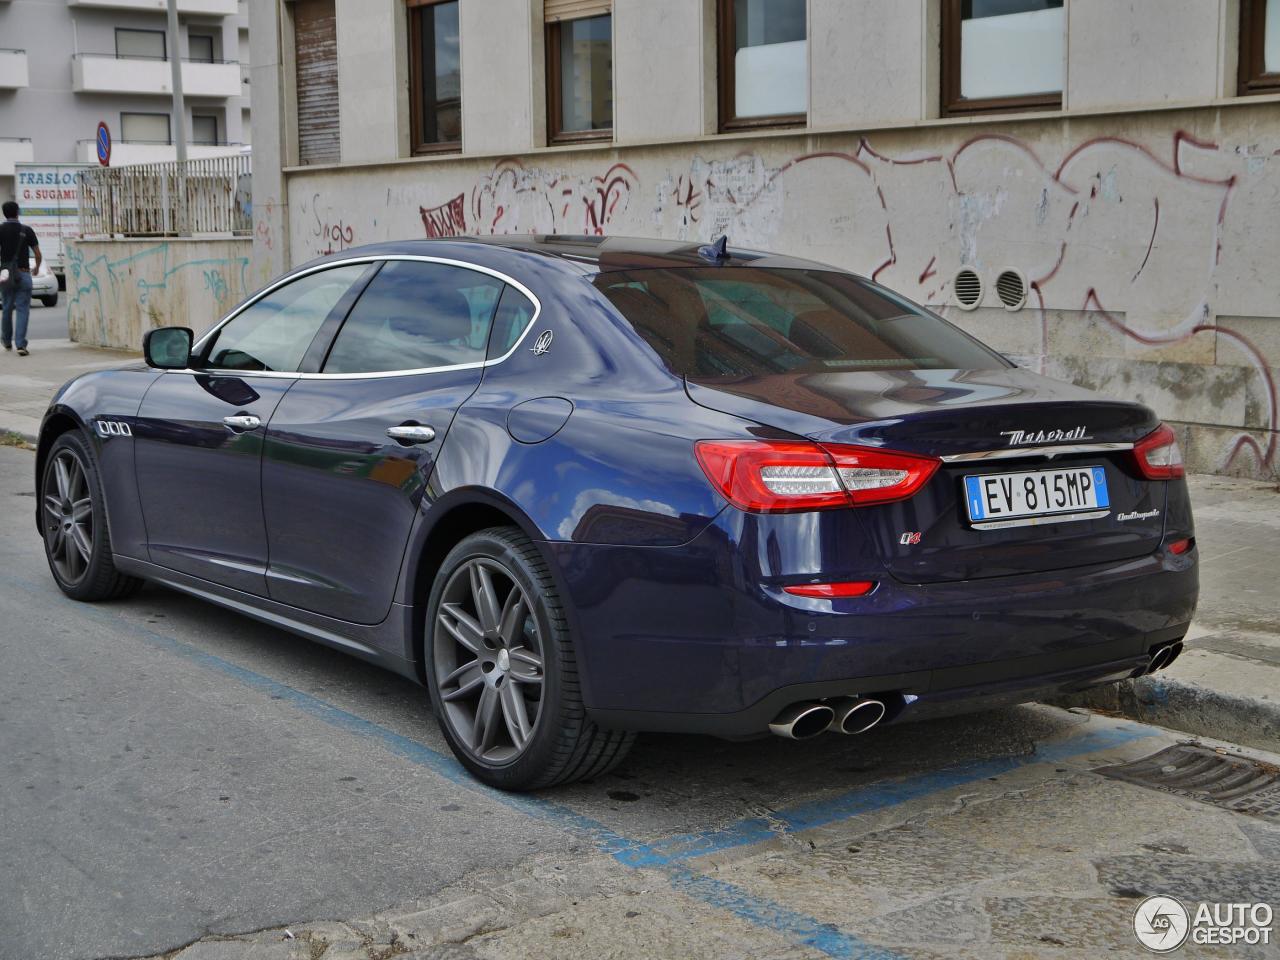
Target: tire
pixel 526 652
pixel 50 301
pixel 73 519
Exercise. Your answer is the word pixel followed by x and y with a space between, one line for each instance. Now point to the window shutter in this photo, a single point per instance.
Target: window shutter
pixel 574 9
pixel 315 31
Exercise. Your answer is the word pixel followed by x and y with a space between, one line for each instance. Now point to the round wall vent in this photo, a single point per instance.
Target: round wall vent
pixel 1011 288
pixel 968 288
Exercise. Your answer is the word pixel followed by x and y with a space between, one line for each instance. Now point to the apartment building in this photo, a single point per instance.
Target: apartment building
pixel 66 65
pixel 1090 186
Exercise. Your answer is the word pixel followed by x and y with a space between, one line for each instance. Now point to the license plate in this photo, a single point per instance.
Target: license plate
pixel 1067 493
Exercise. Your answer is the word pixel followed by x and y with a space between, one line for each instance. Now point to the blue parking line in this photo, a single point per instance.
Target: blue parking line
pixel 669 855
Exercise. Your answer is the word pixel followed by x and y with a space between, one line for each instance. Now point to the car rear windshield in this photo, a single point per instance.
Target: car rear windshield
pixel 712 322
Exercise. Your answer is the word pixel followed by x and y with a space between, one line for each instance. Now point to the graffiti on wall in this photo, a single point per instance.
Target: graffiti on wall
pixel 1134 254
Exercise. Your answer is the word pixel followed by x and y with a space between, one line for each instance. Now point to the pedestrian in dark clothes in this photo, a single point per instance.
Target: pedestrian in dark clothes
pixel 17 241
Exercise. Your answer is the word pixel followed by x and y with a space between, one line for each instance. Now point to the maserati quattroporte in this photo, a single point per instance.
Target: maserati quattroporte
pixel 583 487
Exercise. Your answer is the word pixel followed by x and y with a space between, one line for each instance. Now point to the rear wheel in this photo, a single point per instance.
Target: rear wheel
pixel 502 673
pixel 50 301
pixel 77 543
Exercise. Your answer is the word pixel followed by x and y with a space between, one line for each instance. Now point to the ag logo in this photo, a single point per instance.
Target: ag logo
pixel 1161 924
pixel 542 344
pixel 910 538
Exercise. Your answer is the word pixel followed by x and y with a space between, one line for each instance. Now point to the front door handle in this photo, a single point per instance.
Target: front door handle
pixel 242 422
pixel 410 433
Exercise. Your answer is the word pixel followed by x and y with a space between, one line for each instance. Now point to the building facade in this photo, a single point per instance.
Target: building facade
pixel 1090 186
pixel 66 65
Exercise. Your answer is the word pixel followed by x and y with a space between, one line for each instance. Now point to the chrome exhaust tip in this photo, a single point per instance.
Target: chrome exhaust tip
pixel 800 721
pixel 1161 658
pixel 857 715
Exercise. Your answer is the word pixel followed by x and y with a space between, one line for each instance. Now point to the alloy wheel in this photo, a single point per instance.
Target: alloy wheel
pixel 489 661
pixel 68 517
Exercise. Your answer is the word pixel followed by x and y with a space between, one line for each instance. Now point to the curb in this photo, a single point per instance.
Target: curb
pixel 1187 707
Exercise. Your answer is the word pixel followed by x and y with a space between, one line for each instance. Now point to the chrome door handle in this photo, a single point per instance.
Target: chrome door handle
pixel 411 433
pixel 244 422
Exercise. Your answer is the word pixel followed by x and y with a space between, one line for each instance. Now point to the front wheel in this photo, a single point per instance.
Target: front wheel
pixel 50 301
pixel 501 669
pixel 73 520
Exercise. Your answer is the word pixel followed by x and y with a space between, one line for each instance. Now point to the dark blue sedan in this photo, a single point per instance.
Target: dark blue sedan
pixel 582 487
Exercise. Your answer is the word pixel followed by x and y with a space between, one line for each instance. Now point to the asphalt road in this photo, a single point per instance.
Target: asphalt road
pixel 169 771
pixel 48 323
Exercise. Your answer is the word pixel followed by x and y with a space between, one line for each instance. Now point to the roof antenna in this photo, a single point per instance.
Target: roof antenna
pixel 717 251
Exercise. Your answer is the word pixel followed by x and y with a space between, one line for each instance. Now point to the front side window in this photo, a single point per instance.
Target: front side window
pixel 1259 46
pixel 144 128
pixel 436 76
pixel 415 315
pixel 1002 55
pixel 580 79
pixel 712 323
pixel 764 63
pixel 141 44
pixel 275 332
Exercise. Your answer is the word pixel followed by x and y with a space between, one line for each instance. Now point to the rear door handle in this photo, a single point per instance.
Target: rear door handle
pixel 410 433
pixel 242 422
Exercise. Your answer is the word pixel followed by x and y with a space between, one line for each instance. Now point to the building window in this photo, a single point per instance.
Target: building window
pixel 315 33
pixel 579 77
pixel 435 86
pixel 1002 55
pixel 204 129
pixel 764 63
pixel 200 48
pixel 140 44
pixel 144 128
pixel 1259 46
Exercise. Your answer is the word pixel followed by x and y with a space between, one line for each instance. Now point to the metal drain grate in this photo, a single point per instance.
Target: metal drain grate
pixel 1189 770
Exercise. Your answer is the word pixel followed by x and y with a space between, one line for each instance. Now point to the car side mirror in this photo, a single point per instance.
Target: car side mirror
pixel 168 348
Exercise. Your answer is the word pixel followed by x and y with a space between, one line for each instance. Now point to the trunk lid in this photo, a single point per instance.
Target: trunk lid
pixel 959 415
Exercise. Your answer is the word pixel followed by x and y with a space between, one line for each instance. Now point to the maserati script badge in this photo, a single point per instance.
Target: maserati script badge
pixel 1018 438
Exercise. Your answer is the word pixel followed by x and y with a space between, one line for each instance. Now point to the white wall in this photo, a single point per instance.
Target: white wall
pixel 373 104
pixel 668 96
pixel 503 99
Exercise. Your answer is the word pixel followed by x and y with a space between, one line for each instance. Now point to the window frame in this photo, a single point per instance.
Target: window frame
pixel 328 330
pixel 146 113
pixel 217 130
pixel 164 45
pixel 1254 78
pixel 556 134
pixel 953 104
pixel 213 50
pixel 726 80
pixel 415 10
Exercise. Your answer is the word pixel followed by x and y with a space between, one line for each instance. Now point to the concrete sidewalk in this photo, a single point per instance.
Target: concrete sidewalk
pixel 1226 685
pixel 28 383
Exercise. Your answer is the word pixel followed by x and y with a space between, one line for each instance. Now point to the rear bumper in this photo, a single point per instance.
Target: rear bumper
pixel 686 639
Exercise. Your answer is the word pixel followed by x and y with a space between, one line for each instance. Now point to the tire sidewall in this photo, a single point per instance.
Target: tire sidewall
pixel 529 767
pixel 77 445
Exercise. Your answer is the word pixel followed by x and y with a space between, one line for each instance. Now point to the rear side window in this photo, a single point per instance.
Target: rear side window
pixel 515 311
pixel 415 315
pixel 711 322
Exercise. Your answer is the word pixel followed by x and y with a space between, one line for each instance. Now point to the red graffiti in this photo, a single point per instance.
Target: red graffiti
pixel 447 220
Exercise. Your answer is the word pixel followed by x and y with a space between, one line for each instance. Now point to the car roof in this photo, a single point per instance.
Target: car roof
pixel 591 254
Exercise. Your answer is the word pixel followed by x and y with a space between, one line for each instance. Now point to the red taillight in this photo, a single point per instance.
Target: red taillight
pixel 832 591
pixel 1158 455
pixel 768 476
pixel 1179 547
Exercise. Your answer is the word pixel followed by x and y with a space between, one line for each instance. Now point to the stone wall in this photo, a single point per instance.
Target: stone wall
pixel 119 289
pixel 1149 240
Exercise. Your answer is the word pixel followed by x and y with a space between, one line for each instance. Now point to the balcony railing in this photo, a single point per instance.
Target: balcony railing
pixel 13 69
pixel 216 8
pixel 128 152
pixel 108 73
pixel 199 197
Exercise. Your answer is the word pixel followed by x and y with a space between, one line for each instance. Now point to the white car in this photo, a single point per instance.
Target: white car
pixel 44 286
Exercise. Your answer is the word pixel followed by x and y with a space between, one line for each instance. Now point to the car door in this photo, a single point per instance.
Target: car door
pixel 199 435
pixel 350 449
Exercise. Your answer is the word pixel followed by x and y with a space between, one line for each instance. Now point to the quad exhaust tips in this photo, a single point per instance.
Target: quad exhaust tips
pixel 800 721
pixel 857 715
pixel 848 715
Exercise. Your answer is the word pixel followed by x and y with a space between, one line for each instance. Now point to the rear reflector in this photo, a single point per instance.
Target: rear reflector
pixel 1179 547
pixel 1158 455
pixel 768 476
pixel 829 591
